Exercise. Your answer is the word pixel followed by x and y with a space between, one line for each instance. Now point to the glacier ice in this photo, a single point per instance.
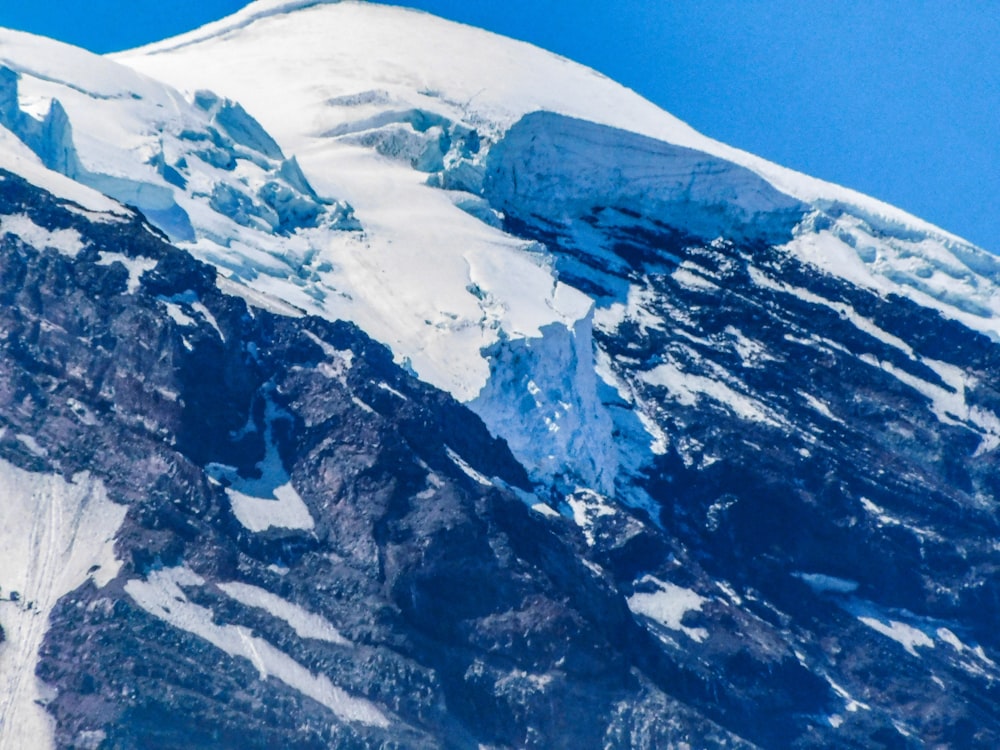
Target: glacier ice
pixel 401 111
pixel 203 171
pixel 553 166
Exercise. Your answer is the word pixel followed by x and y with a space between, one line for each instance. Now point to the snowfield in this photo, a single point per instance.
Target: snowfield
pixel 55 536
pixel 386 109
pixel 361 197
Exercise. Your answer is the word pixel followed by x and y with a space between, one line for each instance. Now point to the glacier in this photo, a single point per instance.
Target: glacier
pixel 200 169
pixel 495 137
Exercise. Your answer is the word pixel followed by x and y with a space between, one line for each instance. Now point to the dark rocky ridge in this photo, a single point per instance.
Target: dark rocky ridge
pixel 761 501
pixel 473 619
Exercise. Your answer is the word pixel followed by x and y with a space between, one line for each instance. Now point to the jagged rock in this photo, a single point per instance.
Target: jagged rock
pixel 459 611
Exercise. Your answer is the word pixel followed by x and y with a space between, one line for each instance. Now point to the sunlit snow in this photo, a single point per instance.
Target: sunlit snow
pixel 306 624
pixel 66 241
pixel 55 536
pixel 270 500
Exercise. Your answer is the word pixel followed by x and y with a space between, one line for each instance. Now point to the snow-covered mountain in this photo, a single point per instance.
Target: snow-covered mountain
pixel 376 86
pixel 668 446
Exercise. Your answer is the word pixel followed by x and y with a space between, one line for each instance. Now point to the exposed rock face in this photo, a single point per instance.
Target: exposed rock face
pixel 817 445
pixel 443 610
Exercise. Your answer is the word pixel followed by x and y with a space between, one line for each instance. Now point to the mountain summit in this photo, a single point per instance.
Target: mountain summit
pixel 369 380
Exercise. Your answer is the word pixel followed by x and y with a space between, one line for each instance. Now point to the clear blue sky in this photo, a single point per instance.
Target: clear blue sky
pixel 897 98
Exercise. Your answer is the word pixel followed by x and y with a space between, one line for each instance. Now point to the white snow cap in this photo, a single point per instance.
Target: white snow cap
pixel 345 46
pixel 360 93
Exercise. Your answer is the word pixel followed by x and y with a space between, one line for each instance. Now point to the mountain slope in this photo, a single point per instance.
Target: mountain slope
pixel 731 476
pixel 307 550
pixel 374 83
pixel 794 369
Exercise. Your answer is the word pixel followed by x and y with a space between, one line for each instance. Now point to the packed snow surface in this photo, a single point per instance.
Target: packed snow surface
pixel 282 508
pixel 55 536
pixel 136 267
pixel 66 241
pixel 305 623
pixel 269 500
pixel 905 635
pixel 396 111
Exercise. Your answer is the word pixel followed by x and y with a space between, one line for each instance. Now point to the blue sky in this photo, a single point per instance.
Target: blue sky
pixel 897 98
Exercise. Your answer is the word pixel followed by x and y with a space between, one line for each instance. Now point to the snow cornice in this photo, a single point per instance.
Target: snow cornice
pixel 250 14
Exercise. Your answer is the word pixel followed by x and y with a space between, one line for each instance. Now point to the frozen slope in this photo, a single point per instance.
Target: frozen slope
pixel 56 536
pixel 398 113
pixel 207 174
pixel 202 170
pixel 383 105
pixel 646 321
pixel 332 63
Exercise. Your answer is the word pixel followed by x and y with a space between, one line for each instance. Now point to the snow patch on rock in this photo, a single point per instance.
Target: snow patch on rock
pixel 270 500
pixel 305 623
pixel 667 604
pixel 66 241
pixel 162 595
pixel 136 267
